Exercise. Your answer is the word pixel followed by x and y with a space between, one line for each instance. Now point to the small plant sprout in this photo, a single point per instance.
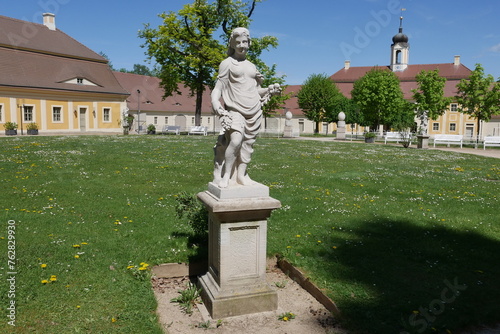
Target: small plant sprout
pixel 281 285
pixel 188 298
pixel 286 316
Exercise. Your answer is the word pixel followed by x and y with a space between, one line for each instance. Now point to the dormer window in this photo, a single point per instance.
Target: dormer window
pixel 79 81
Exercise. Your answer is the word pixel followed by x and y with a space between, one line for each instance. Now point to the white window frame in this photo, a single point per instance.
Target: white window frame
pixel 155 120
pixel 109 120
pixel 33 118
pixel 166 119
pixel 61 114
pixel 454 107
pixel 453 127
pixel 435 126
pixel 2 111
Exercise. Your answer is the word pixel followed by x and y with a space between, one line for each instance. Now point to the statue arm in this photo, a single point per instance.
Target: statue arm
pixel 215 97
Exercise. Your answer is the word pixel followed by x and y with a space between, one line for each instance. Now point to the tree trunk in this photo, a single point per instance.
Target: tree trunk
pixel 317 128
pixel 199 100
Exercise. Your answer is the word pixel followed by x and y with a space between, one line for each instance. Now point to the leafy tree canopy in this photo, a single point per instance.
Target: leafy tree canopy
pixel 188 48
pixel 378 97
pixel 429 95
pixel 318 98
pixel 479 96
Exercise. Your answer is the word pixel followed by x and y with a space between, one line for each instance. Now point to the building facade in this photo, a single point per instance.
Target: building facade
pixel 50 79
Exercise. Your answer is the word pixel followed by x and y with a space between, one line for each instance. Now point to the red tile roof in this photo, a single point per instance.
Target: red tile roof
pixel 24 35
pixel 152 95
pixel 33 56
pixel 345 78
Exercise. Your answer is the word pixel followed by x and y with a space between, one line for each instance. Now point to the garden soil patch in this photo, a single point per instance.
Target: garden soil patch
pixel 311 317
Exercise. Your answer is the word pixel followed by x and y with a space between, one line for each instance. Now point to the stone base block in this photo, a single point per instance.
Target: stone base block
pixel 422 141
pixel 236 300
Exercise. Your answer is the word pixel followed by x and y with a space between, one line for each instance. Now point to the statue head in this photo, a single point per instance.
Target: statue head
pixel 236 33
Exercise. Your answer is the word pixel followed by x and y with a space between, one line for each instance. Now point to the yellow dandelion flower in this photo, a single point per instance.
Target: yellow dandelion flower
pixel 288 246
pixel 77 256
pixel 76 246
pixel 285 318
pixel 319 241
pixel 113 319
pixel 144 264
pixel 298 235
pixel 143 268
pixel 334 247
pixel 44 281
pixel 43 265
pixel 130 267
pixel 78 306
pixel 84 243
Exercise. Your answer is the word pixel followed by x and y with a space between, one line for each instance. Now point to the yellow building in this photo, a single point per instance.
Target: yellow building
pixel 50 79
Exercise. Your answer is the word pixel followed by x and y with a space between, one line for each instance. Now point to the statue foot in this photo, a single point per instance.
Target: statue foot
pixel 245 180
pixel 224 182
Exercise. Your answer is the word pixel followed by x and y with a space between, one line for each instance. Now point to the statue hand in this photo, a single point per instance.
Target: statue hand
pixel 274 89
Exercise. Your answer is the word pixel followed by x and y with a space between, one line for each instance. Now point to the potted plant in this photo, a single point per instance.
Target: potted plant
pixel 32 128
pixel 370 137
pixel 10 128
pixel 151 129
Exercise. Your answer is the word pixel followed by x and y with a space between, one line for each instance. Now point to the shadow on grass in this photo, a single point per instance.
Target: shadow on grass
pixel 402 278
pixel 198 246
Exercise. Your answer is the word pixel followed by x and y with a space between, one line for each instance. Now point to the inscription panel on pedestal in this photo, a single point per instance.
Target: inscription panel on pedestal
pixel 244 251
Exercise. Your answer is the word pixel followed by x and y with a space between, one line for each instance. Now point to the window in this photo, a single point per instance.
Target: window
pixel 28 114
pixel 155 120
pixel 106 115
pixel 166 120
pixel 1 113
pixel 56 114
pixel 192 120
pixel 453 127
pixel 79 81
pixel 453 107
pixel 435 126
pixel 208 120
pixel 301 125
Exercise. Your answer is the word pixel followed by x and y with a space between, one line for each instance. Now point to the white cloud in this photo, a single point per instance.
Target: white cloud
pixel 495 48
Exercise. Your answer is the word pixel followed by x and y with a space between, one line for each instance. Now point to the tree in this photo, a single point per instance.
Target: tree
pixel 378 97
pixel 317 98
pixel 429 96
pixel 185 47
pixel 479 96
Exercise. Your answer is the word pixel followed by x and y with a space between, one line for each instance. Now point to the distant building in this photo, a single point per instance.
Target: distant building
pixel 147 105
pixel 50 79
pixel 452 122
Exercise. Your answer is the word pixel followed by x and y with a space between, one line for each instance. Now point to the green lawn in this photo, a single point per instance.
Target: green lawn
pixel 388 232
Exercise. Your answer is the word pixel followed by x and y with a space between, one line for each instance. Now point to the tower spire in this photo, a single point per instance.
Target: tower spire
pixel 400 48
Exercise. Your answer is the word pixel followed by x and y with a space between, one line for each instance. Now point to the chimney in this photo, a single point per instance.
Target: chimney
pixel 347 64
pixel 49 20
pixel 456 62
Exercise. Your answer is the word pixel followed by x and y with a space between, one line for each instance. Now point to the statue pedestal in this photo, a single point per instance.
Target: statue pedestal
pixel 235 283
pixel 340 133
pixel 288 132
pixel 422 141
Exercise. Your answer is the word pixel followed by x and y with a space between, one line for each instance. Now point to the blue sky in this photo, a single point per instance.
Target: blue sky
pixel 315 36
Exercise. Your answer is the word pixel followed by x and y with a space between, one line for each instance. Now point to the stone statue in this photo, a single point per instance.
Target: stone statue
pixel 239 85
pixel 424 121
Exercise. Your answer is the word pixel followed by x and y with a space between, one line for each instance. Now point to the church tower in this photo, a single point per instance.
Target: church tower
pixel 400 49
